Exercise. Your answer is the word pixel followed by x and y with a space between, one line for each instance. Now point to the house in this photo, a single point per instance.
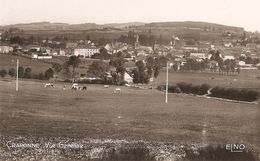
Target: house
pixel 71 45
pixel 6 49
pixel 86 52
pixel 59 53
pixel 228 45
pixel 44 57
pixel 108 47
pixel 230 57
pixel 241 63
pixel 128 78
pixel 33 48
pixel 37 56
pixel 34 55
pixel 46 50
pixel 198 55
pixel 190 48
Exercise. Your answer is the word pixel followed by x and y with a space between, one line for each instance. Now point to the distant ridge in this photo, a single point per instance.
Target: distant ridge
pixel 86 26
pixel 64 26
pixel 194 24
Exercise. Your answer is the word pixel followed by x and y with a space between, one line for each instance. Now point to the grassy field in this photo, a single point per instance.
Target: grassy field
pixel 9 61
pixel 246 79
pixel 133 114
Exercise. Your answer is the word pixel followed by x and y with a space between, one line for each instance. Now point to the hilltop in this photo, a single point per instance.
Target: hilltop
pixel 86 26
pixel 195 25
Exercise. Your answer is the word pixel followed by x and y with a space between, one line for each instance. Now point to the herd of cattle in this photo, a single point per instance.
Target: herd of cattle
pixel 76 86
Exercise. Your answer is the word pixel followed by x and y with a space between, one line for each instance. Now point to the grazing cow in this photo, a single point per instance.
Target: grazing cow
pixel 48 85
pixel 75 86
pixel 117 90
pixel 106 86
pixel 84 88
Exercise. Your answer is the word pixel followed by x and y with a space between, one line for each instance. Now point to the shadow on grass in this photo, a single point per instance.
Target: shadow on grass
pixel 131 154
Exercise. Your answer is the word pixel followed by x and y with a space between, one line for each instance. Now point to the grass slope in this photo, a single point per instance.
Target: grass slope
pixel 132 115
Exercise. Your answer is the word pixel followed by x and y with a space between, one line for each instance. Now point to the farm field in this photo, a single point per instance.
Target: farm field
pixel 133 114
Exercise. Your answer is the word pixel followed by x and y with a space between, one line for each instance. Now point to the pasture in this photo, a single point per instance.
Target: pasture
pixel 132 114
pixel 9 61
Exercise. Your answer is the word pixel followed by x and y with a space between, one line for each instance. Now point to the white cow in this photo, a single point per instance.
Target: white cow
pixel 48 85
pixel 117 90
pixel 75 86
pixel 106 86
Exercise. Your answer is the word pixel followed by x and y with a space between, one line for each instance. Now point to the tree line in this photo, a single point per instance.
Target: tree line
pixel 27 73
pixel 219 92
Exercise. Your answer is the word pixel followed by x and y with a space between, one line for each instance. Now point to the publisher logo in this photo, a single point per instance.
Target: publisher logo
pixel 236 148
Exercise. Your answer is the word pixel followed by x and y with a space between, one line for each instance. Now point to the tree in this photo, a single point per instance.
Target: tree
pixel 150 65
pixel 31 40
pixel 12 72
pixel 28 73
pixel 139 73
pixel 135 75
pixel 57 67
pixel 119 64
pixel 73 61
pixel 3 73
pixel 20 72
pixel 16 40
pixel 98 69
pixel 49 73
pixel 140 65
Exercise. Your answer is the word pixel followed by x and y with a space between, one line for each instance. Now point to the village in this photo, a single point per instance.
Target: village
pixel 231 54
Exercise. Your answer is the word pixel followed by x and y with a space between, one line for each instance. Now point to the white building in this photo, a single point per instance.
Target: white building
pixel 6 49
pixel 128 78
pixel 86 52
pixel 198 55
pixel 230 57
pixel 228 45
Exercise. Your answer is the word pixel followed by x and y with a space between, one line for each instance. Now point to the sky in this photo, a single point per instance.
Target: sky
pixel 241 13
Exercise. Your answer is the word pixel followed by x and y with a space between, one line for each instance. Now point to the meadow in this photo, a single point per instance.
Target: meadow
pixel 133 114
pixel 248 79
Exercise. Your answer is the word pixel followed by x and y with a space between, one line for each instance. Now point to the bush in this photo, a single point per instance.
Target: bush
pixel 28 73
pixel 227 93
pixel 204 89
pixel 161 87
pixel 183 87
pixel 49 73
pixel 194 89
pixel 235 94
pixel 12 72
pixel 3 73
